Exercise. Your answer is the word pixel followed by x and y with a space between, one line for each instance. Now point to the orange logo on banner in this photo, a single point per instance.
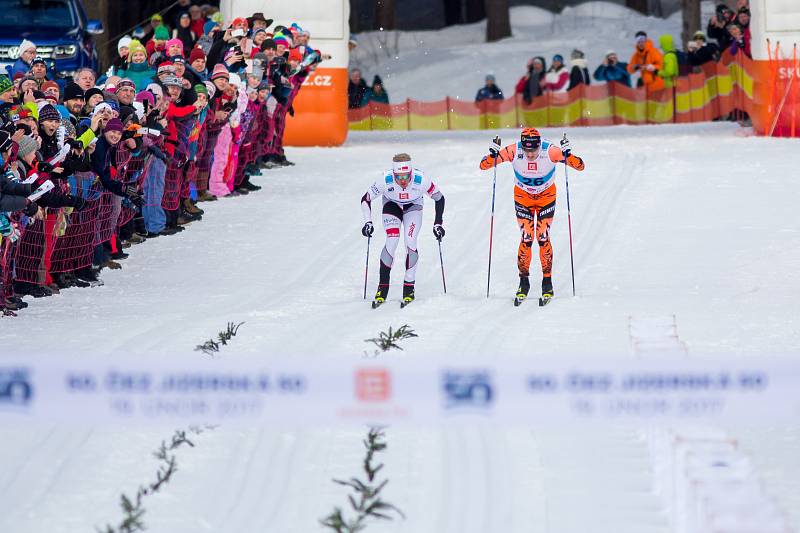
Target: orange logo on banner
pixel 373 385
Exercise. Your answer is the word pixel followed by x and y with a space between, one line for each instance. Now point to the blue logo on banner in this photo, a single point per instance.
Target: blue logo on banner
pixel 467 389
pixel 15 387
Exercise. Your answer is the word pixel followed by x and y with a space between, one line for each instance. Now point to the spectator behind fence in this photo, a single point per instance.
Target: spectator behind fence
pixel 557 78
pixel 490 91
pixel 700 51
pixel 123 160
pixel 717 26
pixel 579 72
pixel 669 67
pixel 739 41
pixel 647 61
pixel 530 85
pixel 357 90
pixel 613 70
pixel 377 93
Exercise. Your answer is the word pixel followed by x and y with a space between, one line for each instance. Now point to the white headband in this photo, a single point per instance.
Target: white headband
pixel 401 167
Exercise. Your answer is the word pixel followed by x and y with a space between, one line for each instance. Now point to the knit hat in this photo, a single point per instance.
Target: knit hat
pixel 5 84
pixel 211 88
pixel 171 79
pixel 156 16
pixel 175 42
pixel 38 59
pixel 201 89
pixel 27 145
pixel 280 39
pixel 100 107
pixel 126 82
pixel 25 45
pixel 208 26
pixel 161 33
pixel 640 37
pixel 146 96
pixel 114 124
pixel 263 86
pixel 135 46
pixel 73 90
pixel 559 58
pixel 155 89
pixel 91 92
pixel 166 68
pixel 123 42
pixel 699 35
pixel 48 112
pixel 235 80
pixel 219 72
pixel 377 80
pixel 577 54
pixel 178 59
pixel 197 53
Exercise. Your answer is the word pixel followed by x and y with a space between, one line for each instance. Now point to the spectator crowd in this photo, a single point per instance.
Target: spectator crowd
pixel 653 67
pixel 191 107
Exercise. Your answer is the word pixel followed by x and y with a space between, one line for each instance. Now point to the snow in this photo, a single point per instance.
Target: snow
pixel 695 221
pixel 429 65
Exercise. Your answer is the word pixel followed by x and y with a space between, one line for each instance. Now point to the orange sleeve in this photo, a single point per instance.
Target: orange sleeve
pixel 633 62
pixel 556 156
pixel 507 154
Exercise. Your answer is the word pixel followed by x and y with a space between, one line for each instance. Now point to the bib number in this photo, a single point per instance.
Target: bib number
pixel 535 182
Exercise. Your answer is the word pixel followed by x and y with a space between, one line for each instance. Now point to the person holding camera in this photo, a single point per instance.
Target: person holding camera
pixel 717 26
pixel 700 51
pixel 647 61
pixel 613 70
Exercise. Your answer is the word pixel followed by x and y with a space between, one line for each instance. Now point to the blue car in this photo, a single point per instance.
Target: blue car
pixel 59 28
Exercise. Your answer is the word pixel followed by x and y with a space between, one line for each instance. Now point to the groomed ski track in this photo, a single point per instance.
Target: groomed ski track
pixel 697 221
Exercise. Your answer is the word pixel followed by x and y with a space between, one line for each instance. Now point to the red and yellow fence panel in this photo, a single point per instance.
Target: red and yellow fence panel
pixel 714 91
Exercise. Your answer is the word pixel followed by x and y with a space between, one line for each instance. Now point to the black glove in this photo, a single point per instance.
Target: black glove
pixel 47 168
pixel 438 232
pixel 78 203
pixel 495 147
pixel 31 209
pixel 132 194
pixel 367 230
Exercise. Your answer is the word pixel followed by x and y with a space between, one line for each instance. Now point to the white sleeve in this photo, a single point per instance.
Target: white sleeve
pixel 375 191
pixel 431 189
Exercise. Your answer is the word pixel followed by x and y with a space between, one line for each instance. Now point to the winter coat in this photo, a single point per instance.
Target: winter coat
pixel 641 59
pixel 705 54
pixel 578 74
pixel 491 92
pixel 13 195
pixel 19 66
pixel 721 35
pixel 617 72
pixel 669 68
pixel 557 81
pixel 140 73
pixel 357 94
pixel 187 37
pixel 382 98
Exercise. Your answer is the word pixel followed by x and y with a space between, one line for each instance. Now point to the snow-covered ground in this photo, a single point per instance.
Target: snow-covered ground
pixel 429 65
pixel 697 221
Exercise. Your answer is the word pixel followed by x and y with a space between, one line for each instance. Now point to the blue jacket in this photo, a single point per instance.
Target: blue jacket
pixel 617 72
pixel 491 92
pixel 19 66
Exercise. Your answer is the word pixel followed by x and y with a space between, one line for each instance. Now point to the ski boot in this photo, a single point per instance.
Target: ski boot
pixel 547 291
pixel 408 294
pixel 380 297
pixel 522 291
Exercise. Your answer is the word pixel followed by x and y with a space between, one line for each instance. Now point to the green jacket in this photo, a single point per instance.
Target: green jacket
pixel 140 73
pixel 669 71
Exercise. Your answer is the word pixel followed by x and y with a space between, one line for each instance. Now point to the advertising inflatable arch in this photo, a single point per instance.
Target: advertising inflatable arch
pixel 320 117
pixel 775 29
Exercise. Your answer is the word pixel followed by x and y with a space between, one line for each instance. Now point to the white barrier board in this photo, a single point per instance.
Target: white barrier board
pixel 296 391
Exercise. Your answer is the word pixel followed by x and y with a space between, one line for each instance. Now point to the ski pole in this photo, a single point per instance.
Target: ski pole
pixel 366 268
pixel 491 228
pixel 441 262
pixel 569 223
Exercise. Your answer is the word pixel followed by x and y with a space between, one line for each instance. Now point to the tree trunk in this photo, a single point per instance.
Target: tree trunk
pixel 691 19
pixel 452 12
pixel 354 23
pixel 498 21
pixel 385 14
pixel 638 5
pixel 474 11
